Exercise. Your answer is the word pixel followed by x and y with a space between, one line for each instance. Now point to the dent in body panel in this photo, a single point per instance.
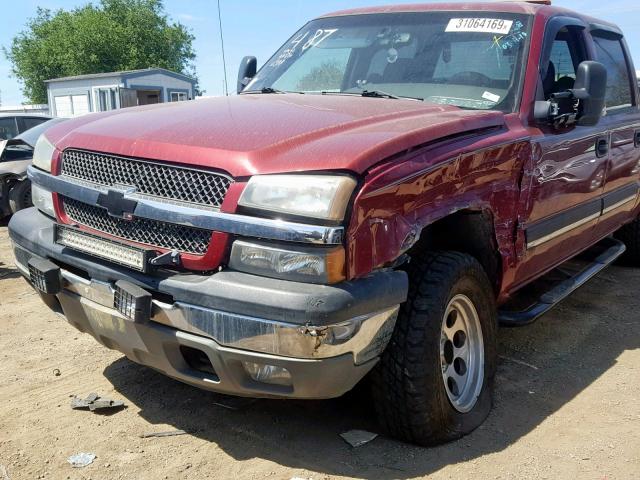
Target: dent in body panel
pixel 566 173
pixel 401 198
pixel 563 171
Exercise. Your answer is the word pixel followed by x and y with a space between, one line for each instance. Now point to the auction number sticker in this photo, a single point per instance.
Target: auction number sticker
pixel 306 41
pixel 482 25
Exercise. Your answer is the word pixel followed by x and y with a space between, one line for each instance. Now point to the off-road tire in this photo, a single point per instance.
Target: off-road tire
pixel 20 196
pixel 630 236
pixel 407 384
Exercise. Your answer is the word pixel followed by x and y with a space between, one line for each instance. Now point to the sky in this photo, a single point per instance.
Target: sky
pixel 258 28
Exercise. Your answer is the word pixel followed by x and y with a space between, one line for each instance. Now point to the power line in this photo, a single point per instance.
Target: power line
pixel 224 61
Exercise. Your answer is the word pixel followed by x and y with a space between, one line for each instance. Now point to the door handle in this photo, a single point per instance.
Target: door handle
pixel 636 138
pixel 602 147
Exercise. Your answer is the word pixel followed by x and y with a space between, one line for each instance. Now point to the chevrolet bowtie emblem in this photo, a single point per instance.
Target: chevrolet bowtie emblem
pixel 116 204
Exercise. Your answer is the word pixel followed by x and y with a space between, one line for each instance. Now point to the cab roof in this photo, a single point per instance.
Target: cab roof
pixel 530 8
pixel 511 7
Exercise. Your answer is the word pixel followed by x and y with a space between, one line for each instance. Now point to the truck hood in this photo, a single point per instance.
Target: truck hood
pixel 269 133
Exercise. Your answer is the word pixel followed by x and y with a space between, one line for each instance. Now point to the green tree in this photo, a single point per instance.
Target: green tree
pixel 328 76
pixel 112 35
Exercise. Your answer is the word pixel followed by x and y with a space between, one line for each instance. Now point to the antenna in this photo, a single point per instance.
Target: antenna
pixel 224 61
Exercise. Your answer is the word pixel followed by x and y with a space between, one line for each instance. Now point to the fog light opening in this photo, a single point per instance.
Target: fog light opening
pixel 197 360
pixel 270 374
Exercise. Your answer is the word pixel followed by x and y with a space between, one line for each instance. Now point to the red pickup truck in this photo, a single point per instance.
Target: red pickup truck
pixel 389 187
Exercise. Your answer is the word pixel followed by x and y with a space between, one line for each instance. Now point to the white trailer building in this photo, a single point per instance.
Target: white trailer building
pixel 99 92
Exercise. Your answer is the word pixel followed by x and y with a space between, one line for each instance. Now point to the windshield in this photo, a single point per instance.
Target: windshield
pixel 467 59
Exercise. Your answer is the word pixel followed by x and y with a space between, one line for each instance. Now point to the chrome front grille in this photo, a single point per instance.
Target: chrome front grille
pixel 150 232
pixel 149 178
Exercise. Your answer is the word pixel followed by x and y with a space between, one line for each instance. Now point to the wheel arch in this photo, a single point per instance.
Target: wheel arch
pixel 6 181
pixel 467 230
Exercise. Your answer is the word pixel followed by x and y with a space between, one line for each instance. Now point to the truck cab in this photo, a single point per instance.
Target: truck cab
pixel 389 187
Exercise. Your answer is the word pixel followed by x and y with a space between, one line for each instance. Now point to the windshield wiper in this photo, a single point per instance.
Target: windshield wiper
pixel 378 94
pixel 373 94
pixel 266 91
pixel 381 94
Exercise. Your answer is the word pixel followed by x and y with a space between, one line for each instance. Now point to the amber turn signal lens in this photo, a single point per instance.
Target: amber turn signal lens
pixel 335 261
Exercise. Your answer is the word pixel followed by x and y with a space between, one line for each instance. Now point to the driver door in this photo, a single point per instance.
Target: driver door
pixel 567 170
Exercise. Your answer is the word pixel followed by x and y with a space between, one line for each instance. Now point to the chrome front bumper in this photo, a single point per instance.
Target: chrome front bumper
pixel 163 348
pixel 326 337
pixel 364 336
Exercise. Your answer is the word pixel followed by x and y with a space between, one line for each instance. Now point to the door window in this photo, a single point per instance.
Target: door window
pixel 562 60
pixel 178 97
pixel 30 122
pixel 8 128
pixel 107 99
pixel 609 52
pixel 567 52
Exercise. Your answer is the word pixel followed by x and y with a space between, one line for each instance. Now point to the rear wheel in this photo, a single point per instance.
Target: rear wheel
pixel 20 196
pixel 630 235
pixel 435 379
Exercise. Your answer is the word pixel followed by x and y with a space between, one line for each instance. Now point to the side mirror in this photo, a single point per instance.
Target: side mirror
pixel 248 68
pixel 581 105
pixel 590 88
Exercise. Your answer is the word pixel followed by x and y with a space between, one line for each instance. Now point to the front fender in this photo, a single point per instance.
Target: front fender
pixel 399 200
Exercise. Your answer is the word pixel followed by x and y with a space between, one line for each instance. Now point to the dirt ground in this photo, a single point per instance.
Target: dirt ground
pixel 567 406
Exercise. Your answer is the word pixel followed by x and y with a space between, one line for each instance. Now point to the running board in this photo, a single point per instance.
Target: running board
pixel 606 252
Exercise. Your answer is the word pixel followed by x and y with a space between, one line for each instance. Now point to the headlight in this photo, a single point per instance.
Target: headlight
pixel 312 265
pixel 43 154
pixel 42 199
pixel 316 196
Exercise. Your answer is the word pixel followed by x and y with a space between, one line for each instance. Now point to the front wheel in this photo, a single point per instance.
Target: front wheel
pixel 435 379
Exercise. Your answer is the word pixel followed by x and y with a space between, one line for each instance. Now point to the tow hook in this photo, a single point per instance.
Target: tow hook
pixel 170 258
